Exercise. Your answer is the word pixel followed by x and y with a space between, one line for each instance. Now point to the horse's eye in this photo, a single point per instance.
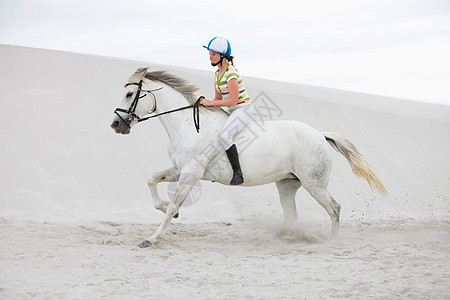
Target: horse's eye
pixel 129 94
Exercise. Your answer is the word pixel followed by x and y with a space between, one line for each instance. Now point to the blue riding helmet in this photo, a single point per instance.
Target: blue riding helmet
pixel 219 45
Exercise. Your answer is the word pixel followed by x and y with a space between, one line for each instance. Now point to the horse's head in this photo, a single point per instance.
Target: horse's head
pixel 133 106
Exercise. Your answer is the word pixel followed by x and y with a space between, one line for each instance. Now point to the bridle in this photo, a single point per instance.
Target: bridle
pixel 131 111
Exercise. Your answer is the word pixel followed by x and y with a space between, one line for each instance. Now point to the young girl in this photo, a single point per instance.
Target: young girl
pixel 229 93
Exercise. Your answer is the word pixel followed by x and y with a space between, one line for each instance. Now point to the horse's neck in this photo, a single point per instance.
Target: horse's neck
pixel 168 99
pixel 179 125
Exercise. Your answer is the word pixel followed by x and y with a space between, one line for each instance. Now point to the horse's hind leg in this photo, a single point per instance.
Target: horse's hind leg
pixel 331 206
pixel 287 189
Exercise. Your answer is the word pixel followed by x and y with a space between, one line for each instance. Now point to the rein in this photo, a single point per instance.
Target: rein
pixel 132 109
pixel 196 113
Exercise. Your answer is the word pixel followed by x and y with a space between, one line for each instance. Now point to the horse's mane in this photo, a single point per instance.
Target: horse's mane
pixel 179 84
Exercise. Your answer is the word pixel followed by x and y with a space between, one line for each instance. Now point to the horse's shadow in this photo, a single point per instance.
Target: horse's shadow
pixel 297 235
pixel 243 233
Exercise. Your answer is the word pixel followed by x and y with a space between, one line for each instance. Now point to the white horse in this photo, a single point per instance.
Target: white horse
pixel 289 153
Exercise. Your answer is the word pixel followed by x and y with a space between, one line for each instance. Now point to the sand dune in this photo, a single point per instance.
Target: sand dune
pixel 74 195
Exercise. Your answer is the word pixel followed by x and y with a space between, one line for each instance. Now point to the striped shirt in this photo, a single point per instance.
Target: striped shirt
pixel 222 85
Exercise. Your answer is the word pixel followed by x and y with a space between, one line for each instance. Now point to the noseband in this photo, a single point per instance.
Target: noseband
pixel 131 111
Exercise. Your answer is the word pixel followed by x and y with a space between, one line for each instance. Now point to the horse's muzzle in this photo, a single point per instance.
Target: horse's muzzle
pixel 120 127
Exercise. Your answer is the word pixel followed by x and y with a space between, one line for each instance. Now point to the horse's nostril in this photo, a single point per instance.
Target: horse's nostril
pixel 115 124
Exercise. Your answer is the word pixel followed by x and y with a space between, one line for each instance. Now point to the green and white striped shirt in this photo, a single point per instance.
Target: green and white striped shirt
pixel 222 85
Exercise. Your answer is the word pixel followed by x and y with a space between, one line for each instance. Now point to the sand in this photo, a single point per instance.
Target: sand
pixel 243 260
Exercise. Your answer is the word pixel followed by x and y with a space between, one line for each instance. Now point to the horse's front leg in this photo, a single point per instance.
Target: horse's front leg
pixel 169 175
pixel 185 184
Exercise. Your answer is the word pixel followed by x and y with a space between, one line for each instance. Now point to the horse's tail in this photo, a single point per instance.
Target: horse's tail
pixel 359 165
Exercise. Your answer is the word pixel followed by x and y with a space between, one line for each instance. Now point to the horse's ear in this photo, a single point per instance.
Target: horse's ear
pixel 138 75
pixel 143 72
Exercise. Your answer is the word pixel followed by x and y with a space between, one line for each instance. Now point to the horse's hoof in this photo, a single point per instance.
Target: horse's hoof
pixel 176 216
pixel 144 244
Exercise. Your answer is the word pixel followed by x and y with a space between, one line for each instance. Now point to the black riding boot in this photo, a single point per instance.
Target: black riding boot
pixel 233 157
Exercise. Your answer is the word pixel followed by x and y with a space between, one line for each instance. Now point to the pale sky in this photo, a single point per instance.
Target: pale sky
pixel 397 48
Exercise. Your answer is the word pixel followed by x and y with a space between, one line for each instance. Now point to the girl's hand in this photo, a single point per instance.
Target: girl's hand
pixel 206 102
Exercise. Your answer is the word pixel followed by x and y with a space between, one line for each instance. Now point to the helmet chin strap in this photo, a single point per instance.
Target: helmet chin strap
pixel 219 62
